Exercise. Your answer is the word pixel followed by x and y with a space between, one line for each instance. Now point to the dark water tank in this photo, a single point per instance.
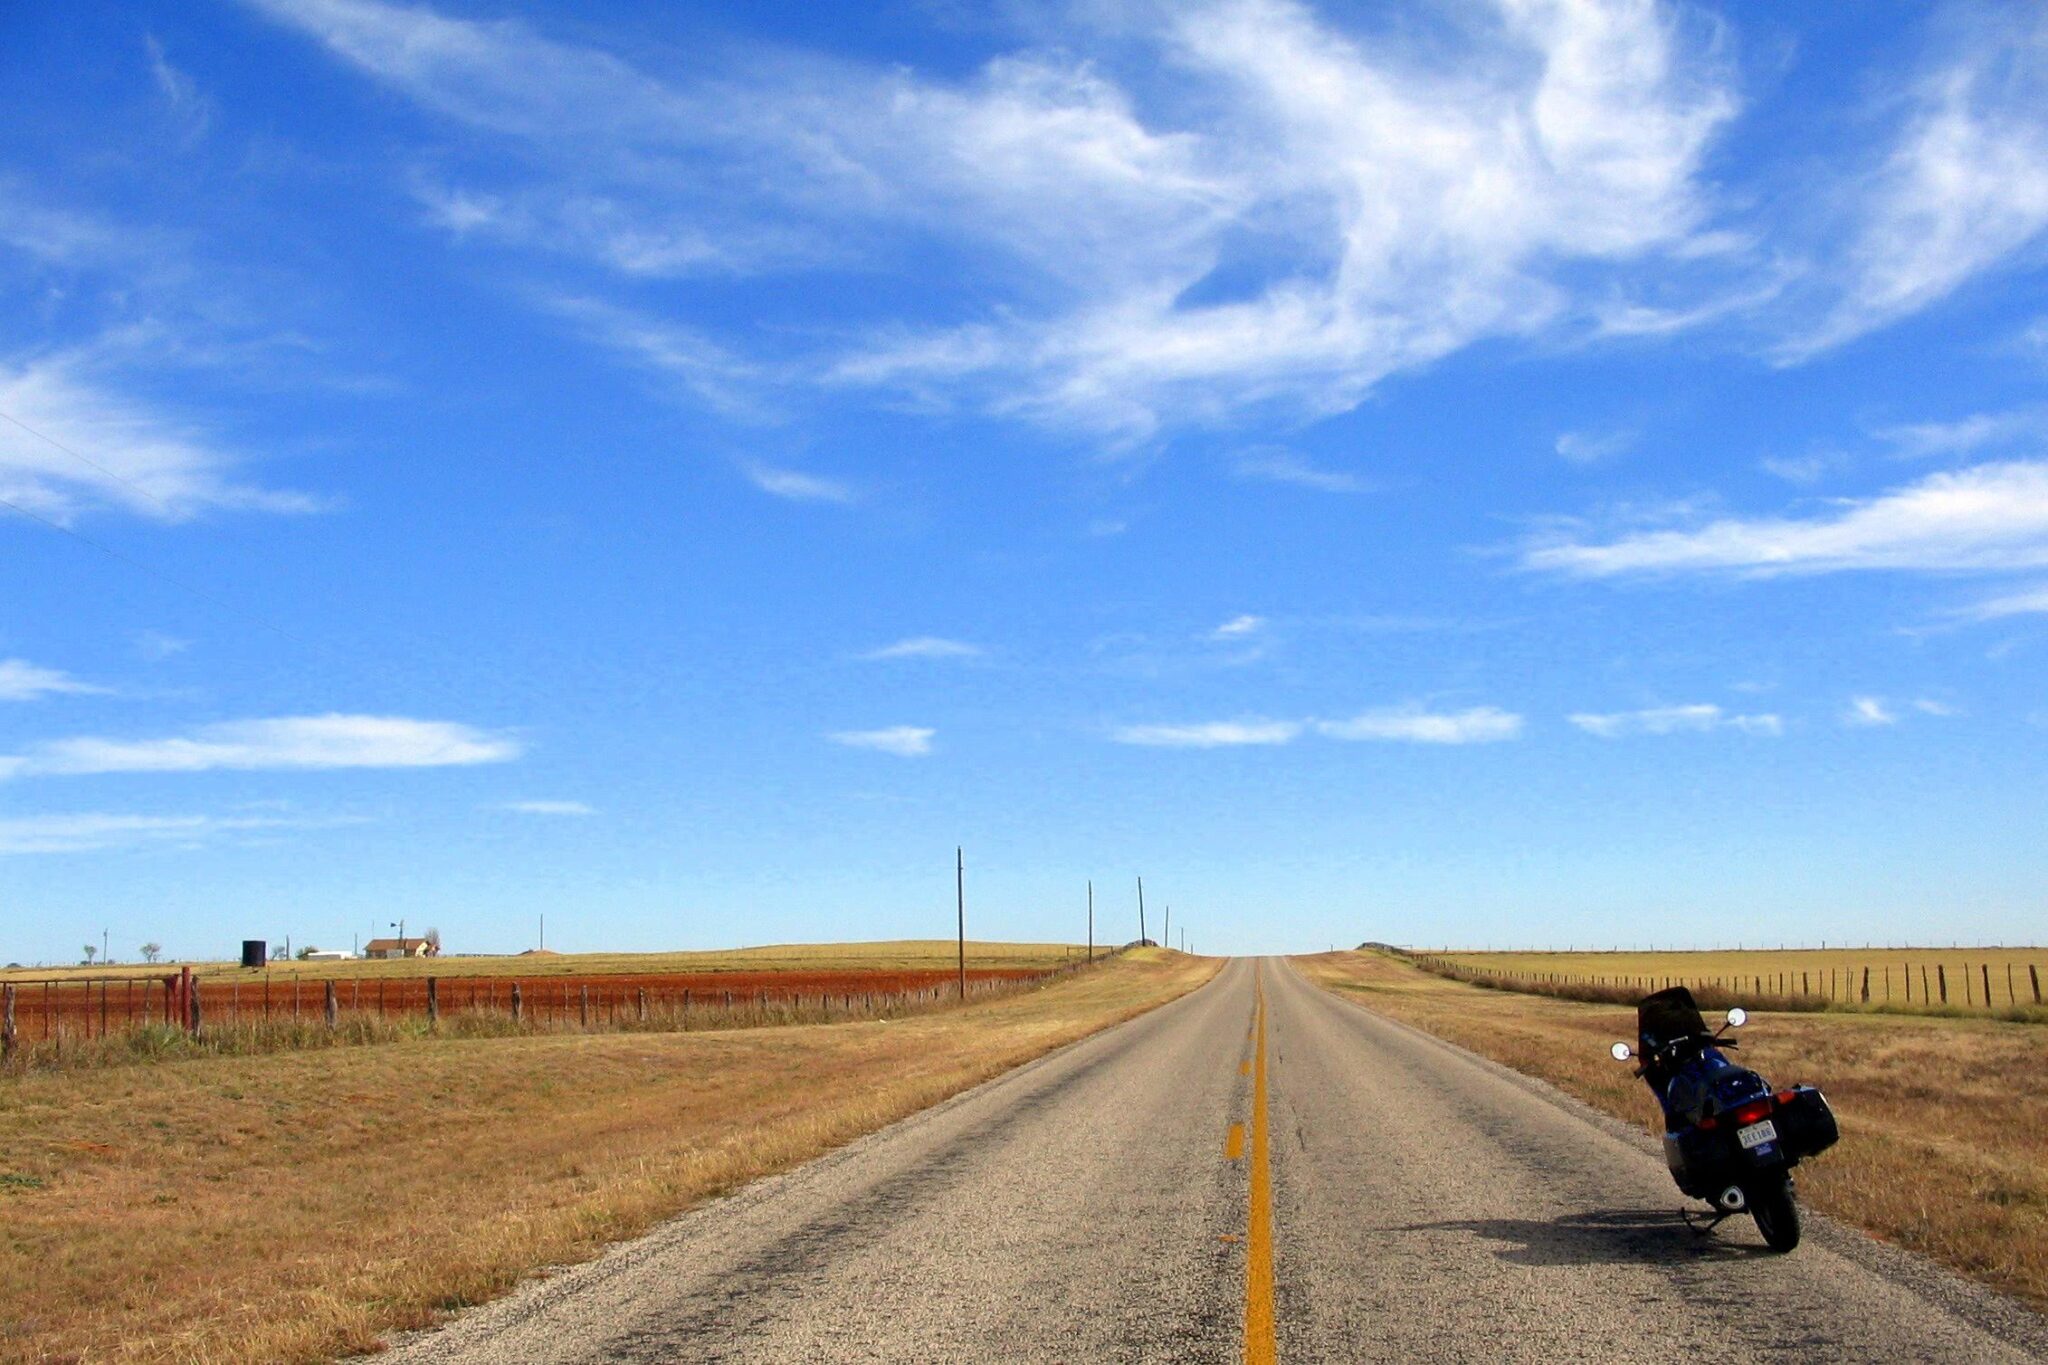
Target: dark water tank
pixel 255 952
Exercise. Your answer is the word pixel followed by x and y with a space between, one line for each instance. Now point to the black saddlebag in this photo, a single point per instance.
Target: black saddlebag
pixel 1806 1126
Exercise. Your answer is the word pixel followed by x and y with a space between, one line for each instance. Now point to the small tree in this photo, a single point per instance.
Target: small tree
pixel 432 938
pixel 92 950
pixel 152 951
pixel 306 952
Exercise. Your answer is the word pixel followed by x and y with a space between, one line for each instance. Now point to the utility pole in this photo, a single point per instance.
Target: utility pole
pixel 543 933
pixel 960 899
pixel 1166 934
pixel 1141 912
pixel 1091 919
pixel 104 958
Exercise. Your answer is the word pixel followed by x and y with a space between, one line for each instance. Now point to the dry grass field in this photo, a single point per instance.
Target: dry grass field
pixel 887 955
pixel 1961 978
pixel 1944 1121
pixel 299 1205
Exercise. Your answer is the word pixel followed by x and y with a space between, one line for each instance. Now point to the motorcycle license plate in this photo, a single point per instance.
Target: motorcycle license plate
pixel 1757 1134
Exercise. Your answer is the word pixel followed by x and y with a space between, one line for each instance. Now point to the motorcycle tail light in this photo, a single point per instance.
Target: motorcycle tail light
pixel 1786 1096
pixel 1753 1112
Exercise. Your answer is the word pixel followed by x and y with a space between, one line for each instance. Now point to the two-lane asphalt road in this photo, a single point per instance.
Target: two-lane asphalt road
pixel 1256 1171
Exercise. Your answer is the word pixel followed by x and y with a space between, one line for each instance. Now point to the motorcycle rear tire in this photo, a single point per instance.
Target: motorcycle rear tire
pixel 1776 1212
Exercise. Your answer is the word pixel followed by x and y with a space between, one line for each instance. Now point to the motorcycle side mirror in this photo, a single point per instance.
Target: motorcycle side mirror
pixel 1737 1017
pixel 1621 1052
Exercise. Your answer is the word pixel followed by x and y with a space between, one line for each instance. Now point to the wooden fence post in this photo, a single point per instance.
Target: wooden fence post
pixel 198 1016
pixel 2034 975
pixel 1866 985
pixel 333 1007
pixel 518 1003
pixel 1941 976
pixel 6 1021
pixel 583 997
pixel 1985 968
pixel 433 1002
pixel 643 1005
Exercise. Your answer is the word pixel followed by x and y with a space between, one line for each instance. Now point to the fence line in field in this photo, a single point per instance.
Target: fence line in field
pixel 1798 989
pixel 42 1015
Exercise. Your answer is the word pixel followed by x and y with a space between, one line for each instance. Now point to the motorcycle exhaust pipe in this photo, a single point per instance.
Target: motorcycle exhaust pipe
pixel 1731 1199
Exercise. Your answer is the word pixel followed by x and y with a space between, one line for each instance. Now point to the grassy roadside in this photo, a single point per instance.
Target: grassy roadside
pixel 1944 1121
pixel 295 1206
pixel 885 955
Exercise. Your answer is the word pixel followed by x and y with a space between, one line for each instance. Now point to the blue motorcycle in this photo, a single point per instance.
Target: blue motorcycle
pixel 1729 1138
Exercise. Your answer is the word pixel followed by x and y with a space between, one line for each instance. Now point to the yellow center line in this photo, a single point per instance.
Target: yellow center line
pixel 1233 1145
pixel 1259 1348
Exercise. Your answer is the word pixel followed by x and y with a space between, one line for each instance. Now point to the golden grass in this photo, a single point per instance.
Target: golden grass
pixel 888 955
pixel 300 1205
pixel 1833 973
pixel 1944 1121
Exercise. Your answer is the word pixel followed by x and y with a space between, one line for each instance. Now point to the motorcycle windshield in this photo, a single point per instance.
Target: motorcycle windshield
pixel 1669 1015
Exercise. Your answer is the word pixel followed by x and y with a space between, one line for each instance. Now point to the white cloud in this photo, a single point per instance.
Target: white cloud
pixel 1479 725
pixel 1222 734
pixel 72 444
pixel 795 485
pixel 1966 435
pixel 95 831
pixel 699 366
pixel 286 742
pixel 1238 627
pixel 1987 517
pixel 156 646
pixel 191 109
pixel 1667 720
pixel 547 808
pixel 1964 189
pixel 1928 706
pixel 1181 212
pixel 1592 447
pixel 2026 602
pixel 21 680
pixel 926 647
pixel 905 741
pixel 1276 465
pixel 1869 711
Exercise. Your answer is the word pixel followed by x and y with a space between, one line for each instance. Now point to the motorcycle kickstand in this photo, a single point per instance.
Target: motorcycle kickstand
pixel 1700 1227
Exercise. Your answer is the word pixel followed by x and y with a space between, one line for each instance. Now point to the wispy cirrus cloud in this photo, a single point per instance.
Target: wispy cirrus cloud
pixel 1963 188
pixel 71 443
pixel 2028 601
pixel 1592 447
pixel 1218 734
pixel 21 680
pixel 1239 627
pixel 282 743
pixel 568 808
pixel 1319 212
pixel 96 831
pixel 794 485
pixel 926 647
pixel 1275 464
pixel 1411 725
pixel 904 741
pixel 1696 718
pixel 1990 517
pixel 1869 712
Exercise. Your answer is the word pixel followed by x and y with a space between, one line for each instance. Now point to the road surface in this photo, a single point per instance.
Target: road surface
pixel 1256 1171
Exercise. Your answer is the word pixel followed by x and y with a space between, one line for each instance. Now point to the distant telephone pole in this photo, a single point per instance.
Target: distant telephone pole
pixel 960 899
pixel 1091 919
pixel 1141 912
pixel 1166 933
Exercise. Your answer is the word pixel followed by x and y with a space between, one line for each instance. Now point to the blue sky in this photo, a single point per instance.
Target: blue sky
pixel 1511 473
